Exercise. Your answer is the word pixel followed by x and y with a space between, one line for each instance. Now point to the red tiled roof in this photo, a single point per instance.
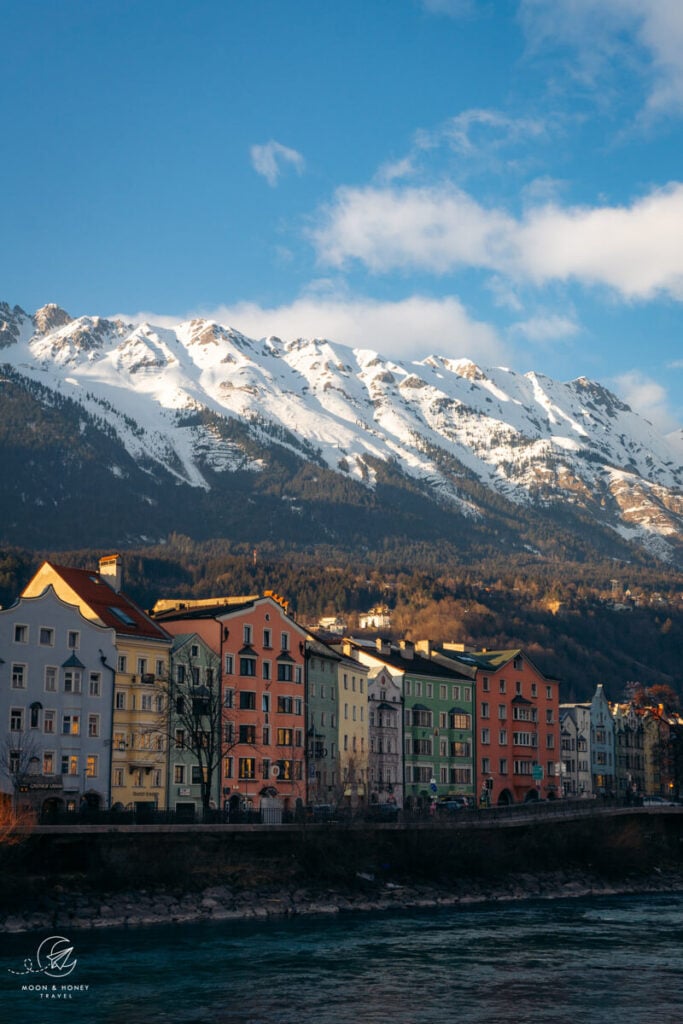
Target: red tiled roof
pixel 114 609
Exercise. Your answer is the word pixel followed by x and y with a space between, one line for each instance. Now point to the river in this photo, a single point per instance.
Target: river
pixel 583 961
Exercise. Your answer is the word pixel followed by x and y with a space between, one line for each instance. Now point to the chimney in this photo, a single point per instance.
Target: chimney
pixel 383 646
pixel 424 647
pixel 407 649
pixel 111 569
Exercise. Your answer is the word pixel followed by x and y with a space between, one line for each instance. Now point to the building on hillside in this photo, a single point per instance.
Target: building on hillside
pixel 575 731
pixel 378 617
pixel 517 726
pixel 139 750
pixel 629 752
pixel 56 688
pixel 195 720
pixel 322 732
pixel 602 748
pixel 262 652
pixel 438 754
pixel 332 624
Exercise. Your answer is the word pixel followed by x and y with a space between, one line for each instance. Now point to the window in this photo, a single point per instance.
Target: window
pixel 179 774
pixel 407 688
pixel 247 734
pixel 422 718
pixel 117 777
pixel 524 739
pixel 486 765
pixel 228 664
pixel 120 700
pixel 460 721
pixel 146 704
pixel 534 690
pixel 49 721
pixel 247 768
pixel 48 763
pixel 501 686
pixel 443 692
pixel 550 741
pixel 503 737
pixel 73 640
pixel 486 684
pixel 198 774
pixel 36 708
pixel 467 693
pixel 284 641
pixel 285 705
pixel 72 680
pixel 119 741
pixel 69 764
pixel 265 702
pixel 266 735
pixel 142 666
pixel 91 766
pixel 51 678
pixel 227 767
pixel 247 666
pixel 16 719
pixel 420 746
pixel 285 737
pixel 122 663
pixel 267 638
pixel 46 637
pixel 179 739
pixel 160 668
pixel 298 706
pixel 228 696
pixel 93 725
pixel 549 692
pixel 94 684
pixel 284 672
pixel 71 725
pixel 21 634
pixel 265 669
pixel 549 716
pixel 247 700
pixel 522 767
pixel 502 712
pixel 461 749
pixel 485 735
pixel 18 677
pixel 194 650
pixel 484 710
pixel 297 676
pixel 246 634
pixel 503 766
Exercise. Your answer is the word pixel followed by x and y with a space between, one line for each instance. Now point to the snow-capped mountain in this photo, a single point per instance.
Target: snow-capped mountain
pixel 456 430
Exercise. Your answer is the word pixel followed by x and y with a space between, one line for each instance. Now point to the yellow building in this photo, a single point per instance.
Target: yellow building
pixel 138 681
pixel 354 744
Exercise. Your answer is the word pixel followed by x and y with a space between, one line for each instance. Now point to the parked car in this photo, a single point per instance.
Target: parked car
pixel 658 801
pixel 453 806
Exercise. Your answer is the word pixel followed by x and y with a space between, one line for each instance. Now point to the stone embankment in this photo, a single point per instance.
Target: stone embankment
pixel 68 910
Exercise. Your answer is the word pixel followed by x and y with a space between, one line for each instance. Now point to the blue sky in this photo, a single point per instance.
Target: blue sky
pixel 493 179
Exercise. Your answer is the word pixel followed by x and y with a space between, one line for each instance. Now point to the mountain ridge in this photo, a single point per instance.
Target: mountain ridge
pixel 200 404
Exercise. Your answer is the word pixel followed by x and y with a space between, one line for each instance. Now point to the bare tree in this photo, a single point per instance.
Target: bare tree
pixel 194 720
pixel 19 758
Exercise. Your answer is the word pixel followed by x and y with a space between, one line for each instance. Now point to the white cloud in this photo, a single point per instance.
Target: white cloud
pixel 638 37
pixel 646 397
pixel 266 160
pixel 545 327
pixel 634 249
pixel 406 329
pixel 478 129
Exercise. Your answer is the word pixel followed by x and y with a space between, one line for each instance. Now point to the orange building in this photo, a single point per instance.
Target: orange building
pixel 517 727
pixel 262 655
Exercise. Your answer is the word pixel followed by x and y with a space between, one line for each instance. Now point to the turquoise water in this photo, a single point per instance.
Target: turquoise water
pixel 612 959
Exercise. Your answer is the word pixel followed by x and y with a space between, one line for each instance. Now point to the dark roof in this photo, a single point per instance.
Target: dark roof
pixel 416 665
pixel 114 609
